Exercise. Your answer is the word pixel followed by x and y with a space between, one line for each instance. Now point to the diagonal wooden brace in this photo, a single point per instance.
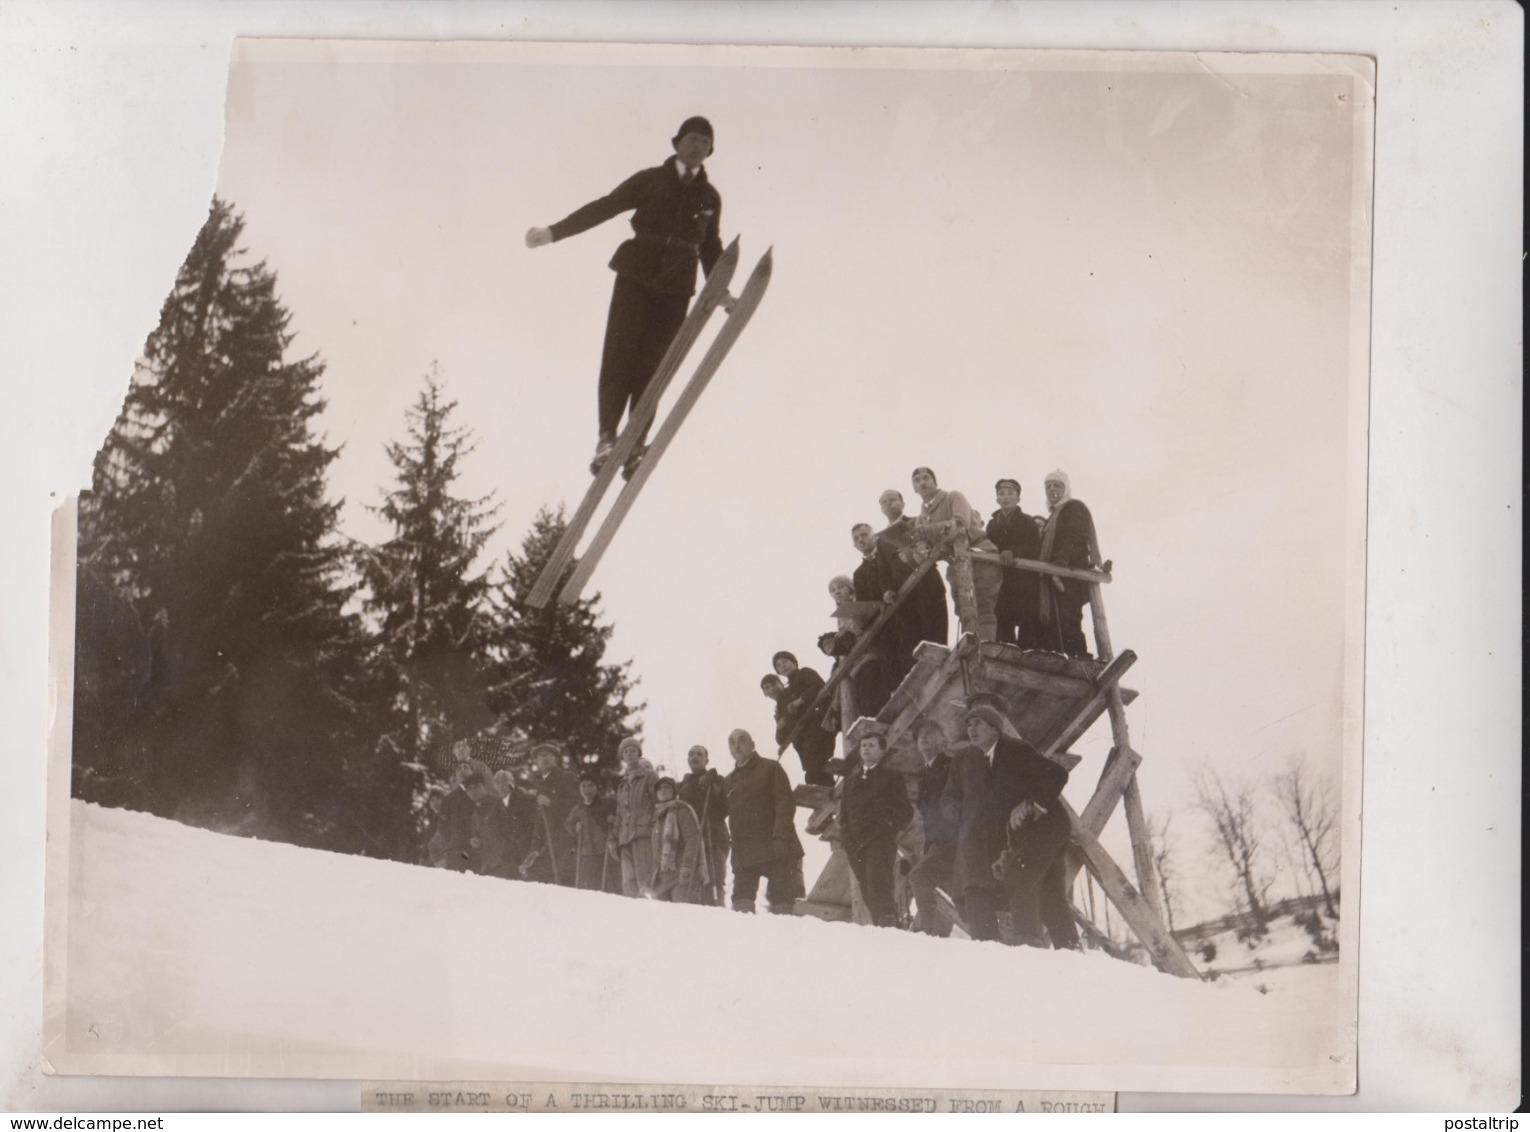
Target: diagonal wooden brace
pixel 1090 708
pixel 1162 947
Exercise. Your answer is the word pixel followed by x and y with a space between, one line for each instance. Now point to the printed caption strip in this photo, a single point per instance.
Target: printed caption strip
pixel 506 1096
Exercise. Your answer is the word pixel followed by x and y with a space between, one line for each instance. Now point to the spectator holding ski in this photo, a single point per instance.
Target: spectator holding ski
pixel 703 791
pixel 555 790
pixel 675 222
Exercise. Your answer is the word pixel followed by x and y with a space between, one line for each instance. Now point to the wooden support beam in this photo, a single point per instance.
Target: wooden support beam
pixel 932 688
pixel 1119 771
pixel 1131 797
pixel 1162 947
pixel 1051 683
pixel 1090 709
pixel 1142 847
pixel 1035 567
pixel 1102 647
pixel 1098 937
pixel 959 573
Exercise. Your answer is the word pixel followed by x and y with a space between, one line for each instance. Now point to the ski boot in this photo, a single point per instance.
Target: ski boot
pixel 602 452
pixel 631 466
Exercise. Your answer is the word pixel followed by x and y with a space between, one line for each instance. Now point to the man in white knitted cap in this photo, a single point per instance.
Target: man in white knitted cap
pixel 1068 540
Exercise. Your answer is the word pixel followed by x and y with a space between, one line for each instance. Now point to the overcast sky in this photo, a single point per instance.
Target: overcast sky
pixel 1137 272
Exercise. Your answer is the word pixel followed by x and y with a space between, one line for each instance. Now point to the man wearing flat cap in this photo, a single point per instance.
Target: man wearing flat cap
pixel 1018 609
pixel 556 792
pixel 1005 798
pixel 675 224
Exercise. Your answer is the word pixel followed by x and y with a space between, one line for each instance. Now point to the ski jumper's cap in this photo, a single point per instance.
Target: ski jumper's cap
pixel 1061 477
pixel 1009 482
pixel 696 125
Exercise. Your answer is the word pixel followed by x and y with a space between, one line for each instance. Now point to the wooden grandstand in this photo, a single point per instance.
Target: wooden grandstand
pixel 1051 701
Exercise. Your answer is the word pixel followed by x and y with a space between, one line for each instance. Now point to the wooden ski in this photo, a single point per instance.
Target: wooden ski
pixel 711 294
pixel 737 319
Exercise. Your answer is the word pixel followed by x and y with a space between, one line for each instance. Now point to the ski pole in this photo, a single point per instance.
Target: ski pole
pixel 552 850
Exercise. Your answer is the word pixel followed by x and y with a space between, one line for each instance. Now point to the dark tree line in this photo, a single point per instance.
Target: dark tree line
pixel 239 663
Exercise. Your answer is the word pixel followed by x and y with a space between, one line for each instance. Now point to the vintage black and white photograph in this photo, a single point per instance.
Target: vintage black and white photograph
pixel 903 509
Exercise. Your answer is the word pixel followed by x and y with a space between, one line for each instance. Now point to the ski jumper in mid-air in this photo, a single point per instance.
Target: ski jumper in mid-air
pixel 675 217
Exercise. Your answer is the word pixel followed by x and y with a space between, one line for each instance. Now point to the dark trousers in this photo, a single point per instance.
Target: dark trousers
pixel 815 747
pixel 873 865
pixel 1056 913
pixel 1067 627
pixel 1019 622
pixel 639 328
pixel 1036 847
pixel 933 871
pixel 716 846
pixel 783 885
pixel 980 908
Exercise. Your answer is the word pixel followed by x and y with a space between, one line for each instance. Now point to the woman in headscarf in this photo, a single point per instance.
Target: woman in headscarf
pixel 679 867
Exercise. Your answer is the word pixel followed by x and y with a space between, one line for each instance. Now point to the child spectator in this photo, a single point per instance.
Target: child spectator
pixel 679 869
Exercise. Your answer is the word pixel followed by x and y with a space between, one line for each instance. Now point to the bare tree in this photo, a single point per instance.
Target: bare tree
pixel 1239 839
pixel 1165 863
pixel 1313 814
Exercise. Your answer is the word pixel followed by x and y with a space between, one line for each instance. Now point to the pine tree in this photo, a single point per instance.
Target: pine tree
pixel 426 603
pixel 213 638
pixel 551 682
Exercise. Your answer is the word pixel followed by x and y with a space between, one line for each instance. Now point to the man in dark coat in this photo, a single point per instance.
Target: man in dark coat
pixel 878 578
pixel 1068 540
pixel 813 743
pixel 939 854
pixel 589 824
pixel 703 791
pixel 761 814
pixel 1016 535
pixel 676 215
pixel 556 791
pixel 1005 797
pixel 928 618
pixel 873 810
pixel 451 834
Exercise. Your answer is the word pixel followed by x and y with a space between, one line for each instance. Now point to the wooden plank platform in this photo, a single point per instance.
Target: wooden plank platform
pixel 1042 693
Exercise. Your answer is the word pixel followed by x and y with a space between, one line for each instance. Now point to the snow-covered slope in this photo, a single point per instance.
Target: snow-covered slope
pixel 191 953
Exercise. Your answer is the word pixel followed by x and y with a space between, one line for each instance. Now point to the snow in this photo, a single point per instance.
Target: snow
pixel 1277 961
pixel 196 953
